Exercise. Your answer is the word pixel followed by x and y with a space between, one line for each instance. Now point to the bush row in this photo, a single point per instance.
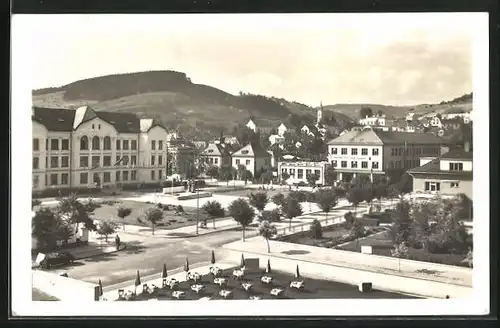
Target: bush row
pixel 64 192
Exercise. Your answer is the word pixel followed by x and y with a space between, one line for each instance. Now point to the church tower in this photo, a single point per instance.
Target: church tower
pixel 319 114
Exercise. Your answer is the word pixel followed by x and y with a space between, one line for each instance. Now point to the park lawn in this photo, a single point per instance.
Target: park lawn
pixel 170 219
pixel 314 289
pixel 246 192
pixel 382 245
pixel 37 295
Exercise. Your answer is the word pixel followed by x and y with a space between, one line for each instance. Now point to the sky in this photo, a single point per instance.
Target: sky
pixel 391 59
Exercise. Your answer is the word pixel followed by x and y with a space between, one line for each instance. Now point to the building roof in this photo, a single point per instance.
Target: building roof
pixel 366 136
pixel 455 120
pixel 54 119
pixel 378 137
pixel 433 167
pixel 251 150
pixel 123 122
pixel 147 124
pixel 458 154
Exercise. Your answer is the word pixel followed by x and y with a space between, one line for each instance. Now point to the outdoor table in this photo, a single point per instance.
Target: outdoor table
pixel 297 284
pixel 266 279
pixel 238 274
pixel 197 288
pixel 220 281
pixel 195 276
pixel 276 291
pixel 246 286
pixel 216 271
pixel 178 294
pixel 225 293
pixel 172 283
pixel 254 298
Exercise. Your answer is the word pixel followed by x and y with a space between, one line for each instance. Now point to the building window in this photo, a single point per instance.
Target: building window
pixel 84 178
pixel 343 151
pixel 53 179
pixel 237 162
pixel 65 144
pixel 133 144
pixel 454 184
pixel 118 160
pixel 133 160
pixel 46 147
pixel 125 160
pixel 93 127
pixel 153 144
pixel 84 161
pixel 160 174
pixel 308 173
pixel 300 173
pixel 334 163
pixel 96 161
pixel 343 164
pixel 354 164
pixel 107 177
pixel 36 181
pixel 125 144
pixel 456 166
pixel 125 175
pixel 393 152
pixel 317 173
pixel 247 162
pixel 374 165
pixel 99 126
pixel 64 178
pixel 364 151
pixel 391 165
pixel 36 144
pixel 152 175
pixel 106 160
pixel 84 143
pixel 64 161
pixel 133 175
pixel 216 161
pixel 36 163
pixel 54 144
pixel 354 151
pixel 364 165
pixel 46 162
pixel 292 172
pixel 160 145
pixel 152 160
pixel 210 160
pixel 432 186
pixel 107 143
pixel 117 176
pixel 96 143
pixel 54 161
pixel 334 151
pixel 118 144
pixel 375 151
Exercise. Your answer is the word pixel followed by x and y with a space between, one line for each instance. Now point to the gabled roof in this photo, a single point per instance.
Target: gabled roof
pixel 212 149
pixel 54 119
pixel 388 137
pixel 251 150
pixel 458 154
pixel 367 136
pixel 433 167
pixel 147 124
pixel 123 122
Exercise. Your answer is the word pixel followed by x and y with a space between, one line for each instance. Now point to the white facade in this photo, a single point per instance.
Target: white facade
pixel 252 126
pixel 153 155
pixel 275 138
pixel 299 171
pixel 281 130
pixel 373 121
pixel 452 164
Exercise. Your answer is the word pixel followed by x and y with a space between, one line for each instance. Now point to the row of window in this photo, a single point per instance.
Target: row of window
pixel 407 164
pixel 300 172
pixel 54 144
pixel 63 161
pixel 63 144
pixel 212 160
pixel 354 164
pixel 354 151
pixel 456 167
pixel 432 151
pixel 247 162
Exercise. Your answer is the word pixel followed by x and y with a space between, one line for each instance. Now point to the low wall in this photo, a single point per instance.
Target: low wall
pixel 380 281
pixel 63 288
pixel 178 189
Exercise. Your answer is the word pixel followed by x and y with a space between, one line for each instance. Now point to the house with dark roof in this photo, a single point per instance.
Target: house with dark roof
pixel 448 174
pixel 87 148
pixel 376 153
pixel 217 154
pixel 253 157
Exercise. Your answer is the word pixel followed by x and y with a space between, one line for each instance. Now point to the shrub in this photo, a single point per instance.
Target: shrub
pixel 159 205
pixel 349 219
pixel 271 216
pixel 139 220
pixel 316 229
pixel 179 209
pixel 63 192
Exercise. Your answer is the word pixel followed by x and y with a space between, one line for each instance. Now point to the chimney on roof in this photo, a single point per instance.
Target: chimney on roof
pixel 467 146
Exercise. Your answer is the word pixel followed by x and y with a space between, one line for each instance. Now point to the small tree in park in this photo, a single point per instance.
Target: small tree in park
pixel 106 228
pixel 401 252
pixel 214 210
pixel 242 213
pixel 292 208
pixel 349 219
pixel 258 200
pixel 154 215
pixel 246 175
pixel 316 230
pixel 284 176
pixel 355 195
pixel 213 172
pixel 401 228
pixel 279 200
pixel 122 213
pixel 326 200
pixel 267 230
pixel 312 179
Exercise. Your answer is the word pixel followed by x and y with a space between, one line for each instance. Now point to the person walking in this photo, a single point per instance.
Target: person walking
pixel 117 242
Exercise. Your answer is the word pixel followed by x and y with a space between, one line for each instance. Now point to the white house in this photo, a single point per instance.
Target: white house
pixel 276 139
pixel 281 130
pixel 251 125
pixel 253 157
pixel 436 122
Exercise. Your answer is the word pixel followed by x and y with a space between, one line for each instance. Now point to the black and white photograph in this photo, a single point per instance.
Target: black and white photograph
pixel 269 164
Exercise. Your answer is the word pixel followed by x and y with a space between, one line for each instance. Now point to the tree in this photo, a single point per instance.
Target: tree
pixel 316 230
pixel 355 195
pixel 258 200
pixel 400 251
pixel 279 200
pixel 284 176
pixel 64 231
pixel 106 228
pixel 380 191
pixel 44 227
pixel 330 175
pixel 392 192
pixel 213 172
pixel 73 210
pixel 365 112
pixel 311 179
pixel 271 216
pixel 227 174
pixel 122 213
pixel 214 209
pixel 266 177
pixel 246 175
pixel 242 213
pixel 267 230
pixel 421 229
pixel 292 208
pixel 326 200
pixel 405 184
pixel 35 202
pixel 154 215
pixel 401 228
pixel 349 219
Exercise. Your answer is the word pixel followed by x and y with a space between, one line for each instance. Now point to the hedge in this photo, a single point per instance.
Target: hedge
pixel 64 192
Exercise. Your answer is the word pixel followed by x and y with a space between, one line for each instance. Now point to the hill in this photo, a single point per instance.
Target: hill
pixel 171 97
